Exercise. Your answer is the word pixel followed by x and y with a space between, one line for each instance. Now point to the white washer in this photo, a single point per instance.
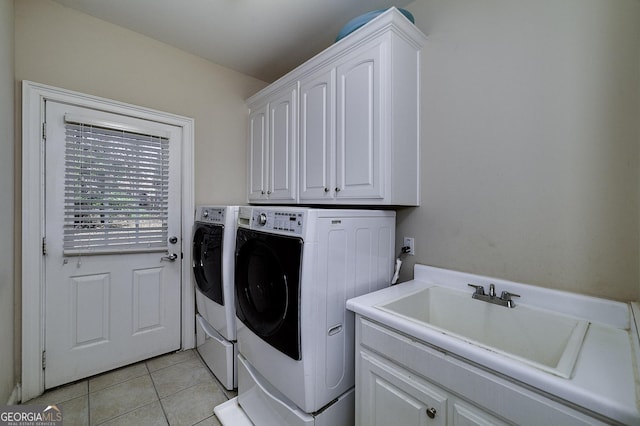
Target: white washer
pixel 295 270
pixel 213 271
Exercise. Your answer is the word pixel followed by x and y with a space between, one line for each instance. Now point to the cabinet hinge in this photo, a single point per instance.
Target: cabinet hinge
pixel 44 359
pixel 44 246
pixel 44 130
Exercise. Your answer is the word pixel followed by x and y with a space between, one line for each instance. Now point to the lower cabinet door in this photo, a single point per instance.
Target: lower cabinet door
pixel 389 395
pixel 464 414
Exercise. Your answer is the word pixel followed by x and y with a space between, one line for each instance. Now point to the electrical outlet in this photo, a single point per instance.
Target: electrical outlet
pixel 409 242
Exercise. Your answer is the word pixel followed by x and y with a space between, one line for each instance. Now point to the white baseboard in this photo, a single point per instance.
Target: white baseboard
pixel 15 396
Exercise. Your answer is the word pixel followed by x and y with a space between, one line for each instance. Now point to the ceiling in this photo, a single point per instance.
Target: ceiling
pixel 261 38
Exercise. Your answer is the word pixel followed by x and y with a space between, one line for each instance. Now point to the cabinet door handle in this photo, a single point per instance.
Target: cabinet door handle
pixel 326 189
pixel 337 189
pixel 431 412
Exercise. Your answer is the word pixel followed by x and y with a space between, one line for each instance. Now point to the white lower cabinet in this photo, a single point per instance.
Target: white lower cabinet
pixel 392 395
pixel 401 381
pixel 464 414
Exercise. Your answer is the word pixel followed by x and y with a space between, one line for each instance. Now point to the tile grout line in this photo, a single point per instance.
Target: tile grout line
pixel 88 404
pixel 224 390
pixel 124 414
pixel 215 382
pixel 155 389
pixel 136 408
pixel 196 356
pixel 120 383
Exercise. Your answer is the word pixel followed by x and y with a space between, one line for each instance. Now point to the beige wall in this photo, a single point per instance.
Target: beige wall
pixel 64 48
pixel 7 377
pixel 58 46
pixel 529 121
pixel 530 143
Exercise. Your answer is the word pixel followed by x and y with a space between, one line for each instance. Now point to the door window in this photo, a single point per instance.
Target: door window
pixel 116 192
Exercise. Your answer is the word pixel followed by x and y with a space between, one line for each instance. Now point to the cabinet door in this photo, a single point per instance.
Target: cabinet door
pixel 317 136
pixel 258 152
pixel 389 395
pixel 282 145
pixel 360 101
pixel 464 414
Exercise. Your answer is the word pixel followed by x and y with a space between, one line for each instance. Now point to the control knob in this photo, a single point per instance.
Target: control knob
pixel 262 219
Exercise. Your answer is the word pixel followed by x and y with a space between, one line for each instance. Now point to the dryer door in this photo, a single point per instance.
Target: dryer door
pixel 267 282
pixel 207 260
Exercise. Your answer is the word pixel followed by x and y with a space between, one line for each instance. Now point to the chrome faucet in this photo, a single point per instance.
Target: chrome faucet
pixel 503 300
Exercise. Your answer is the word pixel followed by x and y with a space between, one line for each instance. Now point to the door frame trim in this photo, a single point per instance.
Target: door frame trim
pixel 33 218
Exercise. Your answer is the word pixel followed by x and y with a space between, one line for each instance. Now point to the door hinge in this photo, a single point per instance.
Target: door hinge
pixel 44 359
pixel 44 246
pixel 44 130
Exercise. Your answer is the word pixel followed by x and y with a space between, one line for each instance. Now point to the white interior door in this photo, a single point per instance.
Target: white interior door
pixel 113 237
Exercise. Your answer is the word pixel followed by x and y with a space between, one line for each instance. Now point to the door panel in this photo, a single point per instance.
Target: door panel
pixel 147 300
pixel 106 309
pixel 89 309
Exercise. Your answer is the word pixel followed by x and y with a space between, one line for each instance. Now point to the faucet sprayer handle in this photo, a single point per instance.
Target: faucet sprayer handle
pixel 506 296
pixel 479 288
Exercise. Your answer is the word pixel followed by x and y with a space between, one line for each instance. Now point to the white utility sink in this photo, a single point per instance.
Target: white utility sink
pixel 543 339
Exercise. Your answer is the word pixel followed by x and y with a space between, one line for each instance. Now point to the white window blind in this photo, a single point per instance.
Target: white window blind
pixel 116 190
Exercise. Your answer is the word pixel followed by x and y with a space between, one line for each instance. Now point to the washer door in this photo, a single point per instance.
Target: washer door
pixel 267 282
pixel 207 260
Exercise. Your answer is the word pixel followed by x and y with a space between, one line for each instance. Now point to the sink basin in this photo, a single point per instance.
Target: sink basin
pixel 543 339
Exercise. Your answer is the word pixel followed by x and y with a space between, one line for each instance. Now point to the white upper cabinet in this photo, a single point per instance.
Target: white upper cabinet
pixel 257 150
pixel 360 160
pixel 358 140
pixel 317 135
pixel 272 147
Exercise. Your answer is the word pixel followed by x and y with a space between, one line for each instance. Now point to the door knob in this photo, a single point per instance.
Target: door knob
pixel 171 258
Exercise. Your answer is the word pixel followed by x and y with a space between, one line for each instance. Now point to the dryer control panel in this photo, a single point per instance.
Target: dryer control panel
pixel 210 214
pixel 274 220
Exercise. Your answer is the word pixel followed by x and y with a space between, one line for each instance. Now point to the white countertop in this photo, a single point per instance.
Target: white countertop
pixel 605 375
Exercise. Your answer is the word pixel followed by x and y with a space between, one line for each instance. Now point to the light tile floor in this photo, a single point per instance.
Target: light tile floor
pixel 175 389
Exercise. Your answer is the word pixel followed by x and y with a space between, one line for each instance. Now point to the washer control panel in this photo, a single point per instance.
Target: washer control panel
pixel 273 220
pixel 211 214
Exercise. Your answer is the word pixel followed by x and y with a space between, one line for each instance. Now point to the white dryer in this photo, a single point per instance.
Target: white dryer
pixel 295 269
pixel 213 272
